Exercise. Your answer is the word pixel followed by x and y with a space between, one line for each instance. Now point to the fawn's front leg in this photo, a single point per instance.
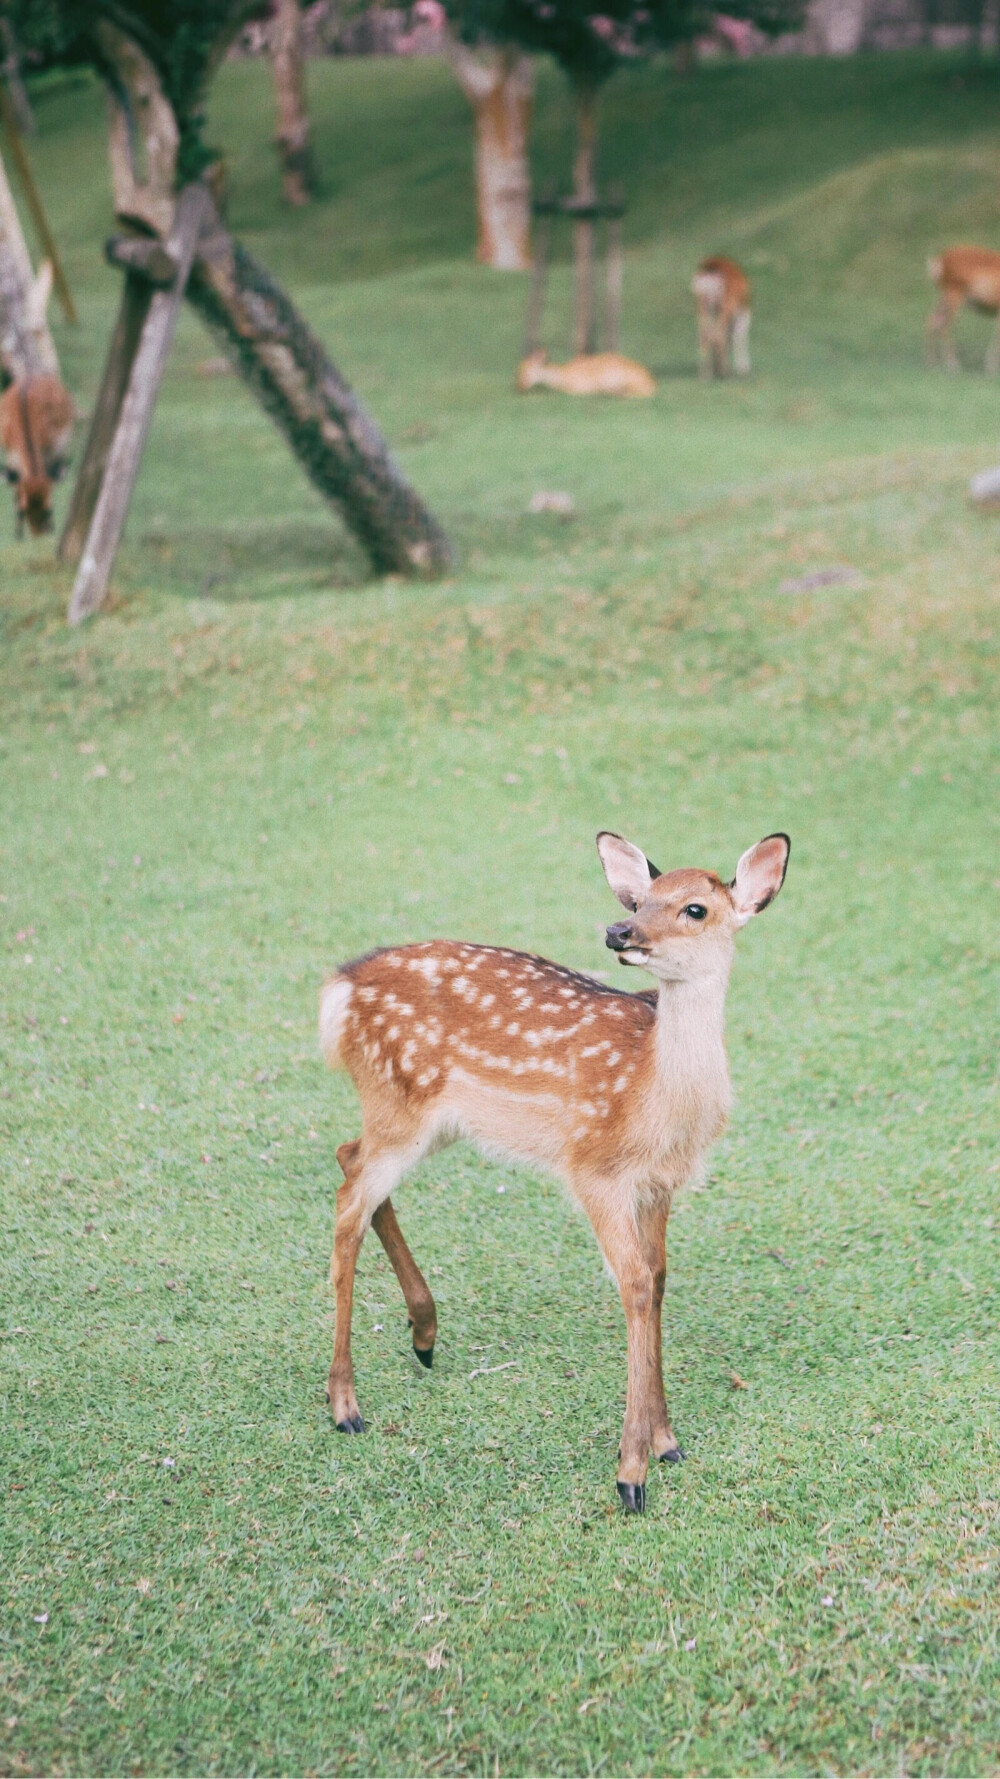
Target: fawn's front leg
pixel 652 1234
pixel 629 1260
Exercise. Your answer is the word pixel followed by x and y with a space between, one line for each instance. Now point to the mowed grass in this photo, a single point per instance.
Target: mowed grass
pixel 259 761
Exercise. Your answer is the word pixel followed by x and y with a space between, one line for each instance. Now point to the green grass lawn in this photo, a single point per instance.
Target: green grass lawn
pixel 259 761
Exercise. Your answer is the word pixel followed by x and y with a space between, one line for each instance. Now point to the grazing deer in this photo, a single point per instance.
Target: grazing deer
pixel 591 373
pixel 722 292
pixel 619 1095
pixel 36 426
pixel 963 275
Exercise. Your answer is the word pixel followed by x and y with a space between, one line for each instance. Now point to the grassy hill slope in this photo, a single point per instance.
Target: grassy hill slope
pixel 259 761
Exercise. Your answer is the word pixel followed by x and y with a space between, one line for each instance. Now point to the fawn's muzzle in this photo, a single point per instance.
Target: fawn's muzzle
pixel 619 936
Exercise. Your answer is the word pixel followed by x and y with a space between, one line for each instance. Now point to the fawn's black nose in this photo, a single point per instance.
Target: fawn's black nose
pixel 618 936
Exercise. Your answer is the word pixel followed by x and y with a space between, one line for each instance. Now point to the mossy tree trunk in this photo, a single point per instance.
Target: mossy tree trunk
pixel 335 440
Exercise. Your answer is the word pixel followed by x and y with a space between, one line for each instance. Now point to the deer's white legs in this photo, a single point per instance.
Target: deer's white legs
pixel 740 339
pixel 940 339
pixel 367 1185
pixel 706 343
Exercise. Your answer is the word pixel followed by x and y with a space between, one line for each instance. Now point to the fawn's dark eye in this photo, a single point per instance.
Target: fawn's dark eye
pixel 697 910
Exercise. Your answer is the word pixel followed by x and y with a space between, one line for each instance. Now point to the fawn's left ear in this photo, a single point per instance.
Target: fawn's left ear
pixel 760 875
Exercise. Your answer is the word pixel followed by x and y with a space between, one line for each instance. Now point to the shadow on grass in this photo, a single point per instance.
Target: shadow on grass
pixel 275 561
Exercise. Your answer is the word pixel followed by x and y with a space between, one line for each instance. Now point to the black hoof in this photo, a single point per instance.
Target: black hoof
pixel 425 1355
pixel 633 1496
pixel 675 1456
pixel 353 1425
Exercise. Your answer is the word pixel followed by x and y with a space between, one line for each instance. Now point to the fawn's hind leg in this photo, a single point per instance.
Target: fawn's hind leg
pixel 367 1184
pixel 419 1302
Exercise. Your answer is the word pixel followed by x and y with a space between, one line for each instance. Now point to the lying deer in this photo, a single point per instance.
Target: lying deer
pixel 963 275
pixel 591 373
pixel 619 1095
pixel 36 426
pixel 722 292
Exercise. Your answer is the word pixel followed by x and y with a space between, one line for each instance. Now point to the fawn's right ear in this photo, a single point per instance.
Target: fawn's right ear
pixel 627 870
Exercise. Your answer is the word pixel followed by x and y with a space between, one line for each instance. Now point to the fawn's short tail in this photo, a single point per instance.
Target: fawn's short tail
pixel 334 1001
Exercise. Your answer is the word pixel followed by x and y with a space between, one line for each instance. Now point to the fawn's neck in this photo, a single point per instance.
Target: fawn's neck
pixel 690 1051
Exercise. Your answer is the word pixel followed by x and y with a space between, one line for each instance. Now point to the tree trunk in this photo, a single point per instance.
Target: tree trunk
pixel 338 445
pixel 43 233
pixel 499 85
pixel 292 137
pixel 26 346
pixel 585 95
pixel 12 78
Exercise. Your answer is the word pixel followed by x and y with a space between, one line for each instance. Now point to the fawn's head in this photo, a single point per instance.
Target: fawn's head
pixel 530 370
pixel 683 923
pixel 33 502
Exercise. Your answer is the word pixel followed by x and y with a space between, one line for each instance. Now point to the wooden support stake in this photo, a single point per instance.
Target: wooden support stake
pixel 613 281
pixel 539 274
pixel 194 207
pixel 137 294
pixel 46 238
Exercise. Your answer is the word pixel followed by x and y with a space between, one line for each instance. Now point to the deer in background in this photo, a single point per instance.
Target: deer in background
pixel 963 275
pixel 591 373
pixel 36 427
pixel 721 290
pixel 619 1095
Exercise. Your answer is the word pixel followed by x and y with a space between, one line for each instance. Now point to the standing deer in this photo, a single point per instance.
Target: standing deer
pixel 619 1095
pixel 963 275
pixel 721 290
pixel 36 426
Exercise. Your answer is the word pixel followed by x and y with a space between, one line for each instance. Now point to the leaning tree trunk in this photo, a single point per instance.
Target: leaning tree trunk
pixel 585 94
pixel 338 445
pixel 292 136
pixel 499 85
pixel 26 346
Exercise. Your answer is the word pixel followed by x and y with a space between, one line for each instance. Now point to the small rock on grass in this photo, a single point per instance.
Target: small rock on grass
pixel 984 489
pixel 552 501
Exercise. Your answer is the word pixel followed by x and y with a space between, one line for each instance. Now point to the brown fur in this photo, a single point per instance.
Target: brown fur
pixel 721 290
pixel 618 1095
pixel 36 426
pixel 590 373
pixel 963 275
